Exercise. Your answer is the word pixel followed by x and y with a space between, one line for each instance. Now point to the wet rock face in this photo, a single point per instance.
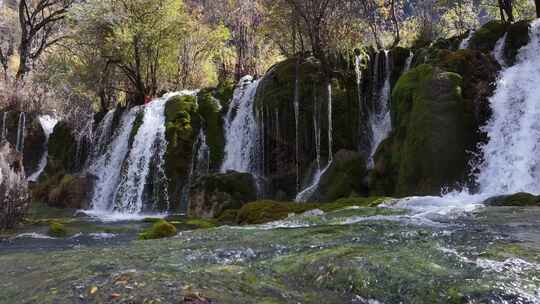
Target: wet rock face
pixel 427 148
pixel 14 194
pixel 65 190
pixel 210 195
pixel 34 138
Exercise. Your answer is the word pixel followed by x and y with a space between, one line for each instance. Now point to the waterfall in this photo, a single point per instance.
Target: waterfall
pixel 297 123
pixel 317 128
pixel 20 132
pixel 146 154
pixel 4 126
pixel 47 124
pixel 308 192
pixel 408 62
pixel 465 42
pixel 512 153
pixel 103 135
pixel 498 50
pixel 200 165
pixel 379 118
pixel 241 129
pixel 108 167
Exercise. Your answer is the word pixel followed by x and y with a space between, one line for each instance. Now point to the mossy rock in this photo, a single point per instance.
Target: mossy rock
pixel 427 148
pixel 160 229
pixel 265 211
pixel 344 177
pixel 62 148
pixel 517 37
pixel 181 123
pixel 519 199
pixel 210 109
pixel 65 191
pixel 485 38
pixel 201 223
pixel 228 217
pixel 57 229
pixel 211 195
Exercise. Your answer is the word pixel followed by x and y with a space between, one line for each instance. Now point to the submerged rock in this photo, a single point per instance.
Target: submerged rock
pixel 210 195
pixel 14 194
pixel 160 229
pixel 517 199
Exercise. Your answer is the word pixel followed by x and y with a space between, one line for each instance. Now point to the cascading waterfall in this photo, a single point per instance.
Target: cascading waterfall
pixel 148 148
pixel 380 124
pixel 20 132
pixel 4 126
pixel 317 129
pixel 241 129
pixel 47 124
pixel 308 192
pixel 498 51
pixel 107 168
pixel 512 153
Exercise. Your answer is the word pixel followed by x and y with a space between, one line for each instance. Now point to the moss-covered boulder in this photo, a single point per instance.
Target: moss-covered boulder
pixel 517 37
pixel 427 148
pixel 485 38
pixel 65 190
pixel 517 199
pixel 57 229
pixel 62 149
pixel 210 195
pixel 210 109
pixel 181 123
pixel 343 178
pixel 160 229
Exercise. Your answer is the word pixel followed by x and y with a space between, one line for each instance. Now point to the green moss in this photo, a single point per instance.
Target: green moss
pixel 224 92
pixel 57 229
pixel 152 219
pixel 485 38
pixel 160 229
pixel 427 146
pixel 519 199
pixel 267 211
pixel 61 149
pixel 344 177
pixel 210 111
pixel 228 217
pixel 202 223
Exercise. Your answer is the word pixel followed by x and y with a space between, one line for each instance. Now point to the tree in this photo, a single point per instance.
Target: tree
pixel 40 23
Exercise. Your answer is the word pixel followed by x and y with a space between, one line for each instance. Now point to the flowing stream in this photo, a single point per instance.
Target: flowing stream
pixel 21 127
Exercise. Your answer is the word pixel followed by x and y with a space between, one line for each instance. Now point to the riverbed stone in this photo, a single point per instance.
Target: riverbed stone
pixel 210 195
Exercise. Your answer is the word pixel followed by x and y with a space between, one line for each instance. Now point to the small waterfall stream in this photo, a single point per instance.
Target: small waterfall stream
pixel 103 135
pixel 380 124
pixel 408 62
pixel 20 132
pixel 4 127
pixel 47 124
pixel 200 166
pixel 306 194
pixel 465 42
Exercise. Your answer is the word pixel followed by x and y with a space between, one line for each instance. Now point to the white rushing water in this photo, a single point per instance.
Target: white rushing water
pixel 297 123
pixel 108 167
pixel 380 123
pixel 241 131
pixel 511 157
pixel 512 153
pixel 103 135
pixel 21 128
pixel 200 165
pixel 408 62
pixel 47 123
pixel 306 194
pixel 498 50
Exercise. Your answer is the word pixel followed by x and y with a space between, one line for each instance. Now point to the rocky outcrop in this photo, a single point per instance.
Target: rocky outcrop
pixel 34 137
pixel 517 199
pixel 65 191
pixel 211 195
pixel 344 177
pixel 14 194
